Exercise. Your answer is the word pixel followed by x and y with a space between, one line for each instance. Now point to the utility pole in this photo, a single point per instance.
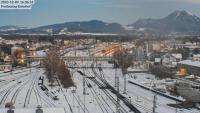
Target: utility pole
pixel 118 100
pixel 75 47
pixel 123 66
pixel 176 102
pixel 115 77
pixel 84 90
pixel 154 103
pixel 176 108
pixel 29 65
pixel 124 83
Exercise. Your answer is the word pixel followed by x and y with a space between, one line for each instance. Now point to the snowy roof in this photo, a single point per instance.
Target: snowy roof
pixel 41 53
pixel 177 55
pixel 190 62
pixel 193 47
pixel 197 55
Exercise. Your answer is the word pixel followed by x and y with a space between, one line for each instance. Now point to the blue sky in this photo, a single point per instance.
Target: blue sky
pixel 46 12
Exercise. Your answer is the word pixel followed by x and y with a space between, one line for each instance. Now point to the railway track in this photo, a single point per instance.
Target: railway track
pixel 102 75
pixel 106 91
pixel 29 92
pixel 14 97
pixel 18 83
pixel 64 96
pixel 112 89
pixel 44 99
pixel 80 103
pixel 7 92
pixel 13 79
pixel 97 98
pixel 103 87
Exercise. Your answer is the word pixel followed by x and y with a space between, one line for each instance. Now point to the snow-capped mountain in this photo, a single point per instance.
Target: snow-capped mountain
pixel 178 21
pixel 10 28
pixel 93 26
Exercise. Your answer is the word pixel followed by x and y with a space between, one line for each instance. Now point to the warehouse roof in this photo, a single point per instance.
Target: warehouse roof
pixel 190 62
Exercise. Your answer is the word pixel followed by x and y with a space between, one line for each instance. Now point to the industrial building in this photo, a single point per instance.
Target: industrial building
pixel 191 66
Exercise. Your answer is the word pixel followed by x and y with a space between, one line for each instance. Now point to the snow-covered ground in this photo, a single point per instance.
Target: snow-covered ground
pixel 21 88
pixel 45 110
pixel 141 98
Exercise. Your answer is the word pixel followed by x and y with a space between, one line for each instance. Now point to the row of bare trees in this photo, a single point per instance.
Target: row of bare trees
pixel 123 59
pixel 57 69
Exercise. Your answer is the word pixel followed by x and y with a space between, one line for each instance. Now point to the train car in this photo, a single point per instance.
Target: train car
pixel 41 80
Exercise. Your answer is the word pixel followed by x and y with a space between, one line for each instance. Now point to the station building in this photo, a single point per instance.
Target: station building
pixel 192 66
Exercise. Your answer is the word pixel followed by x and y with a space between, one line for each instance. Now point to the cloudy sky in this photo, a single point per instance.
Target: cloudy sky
pixel 46 12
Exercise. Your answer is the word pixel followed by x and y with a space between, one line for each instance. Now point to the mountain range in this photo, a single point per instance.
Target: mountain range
pixel 93 26
pixel 178 21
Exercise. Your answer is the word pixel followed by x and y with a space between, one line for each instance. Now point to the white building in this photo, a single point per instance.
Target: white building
pixel 168 60
pixel 178 56
pixel 196 57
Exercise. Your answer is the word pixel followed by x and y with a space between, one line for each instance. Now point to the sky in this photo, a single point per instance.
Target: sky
pixel 45 12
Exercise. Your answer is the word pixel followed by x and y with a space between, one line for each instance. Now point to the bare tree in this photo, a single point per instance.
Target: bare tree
pixel 64 75
pixel 50 64
pixel 123 59
pixel 56 68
